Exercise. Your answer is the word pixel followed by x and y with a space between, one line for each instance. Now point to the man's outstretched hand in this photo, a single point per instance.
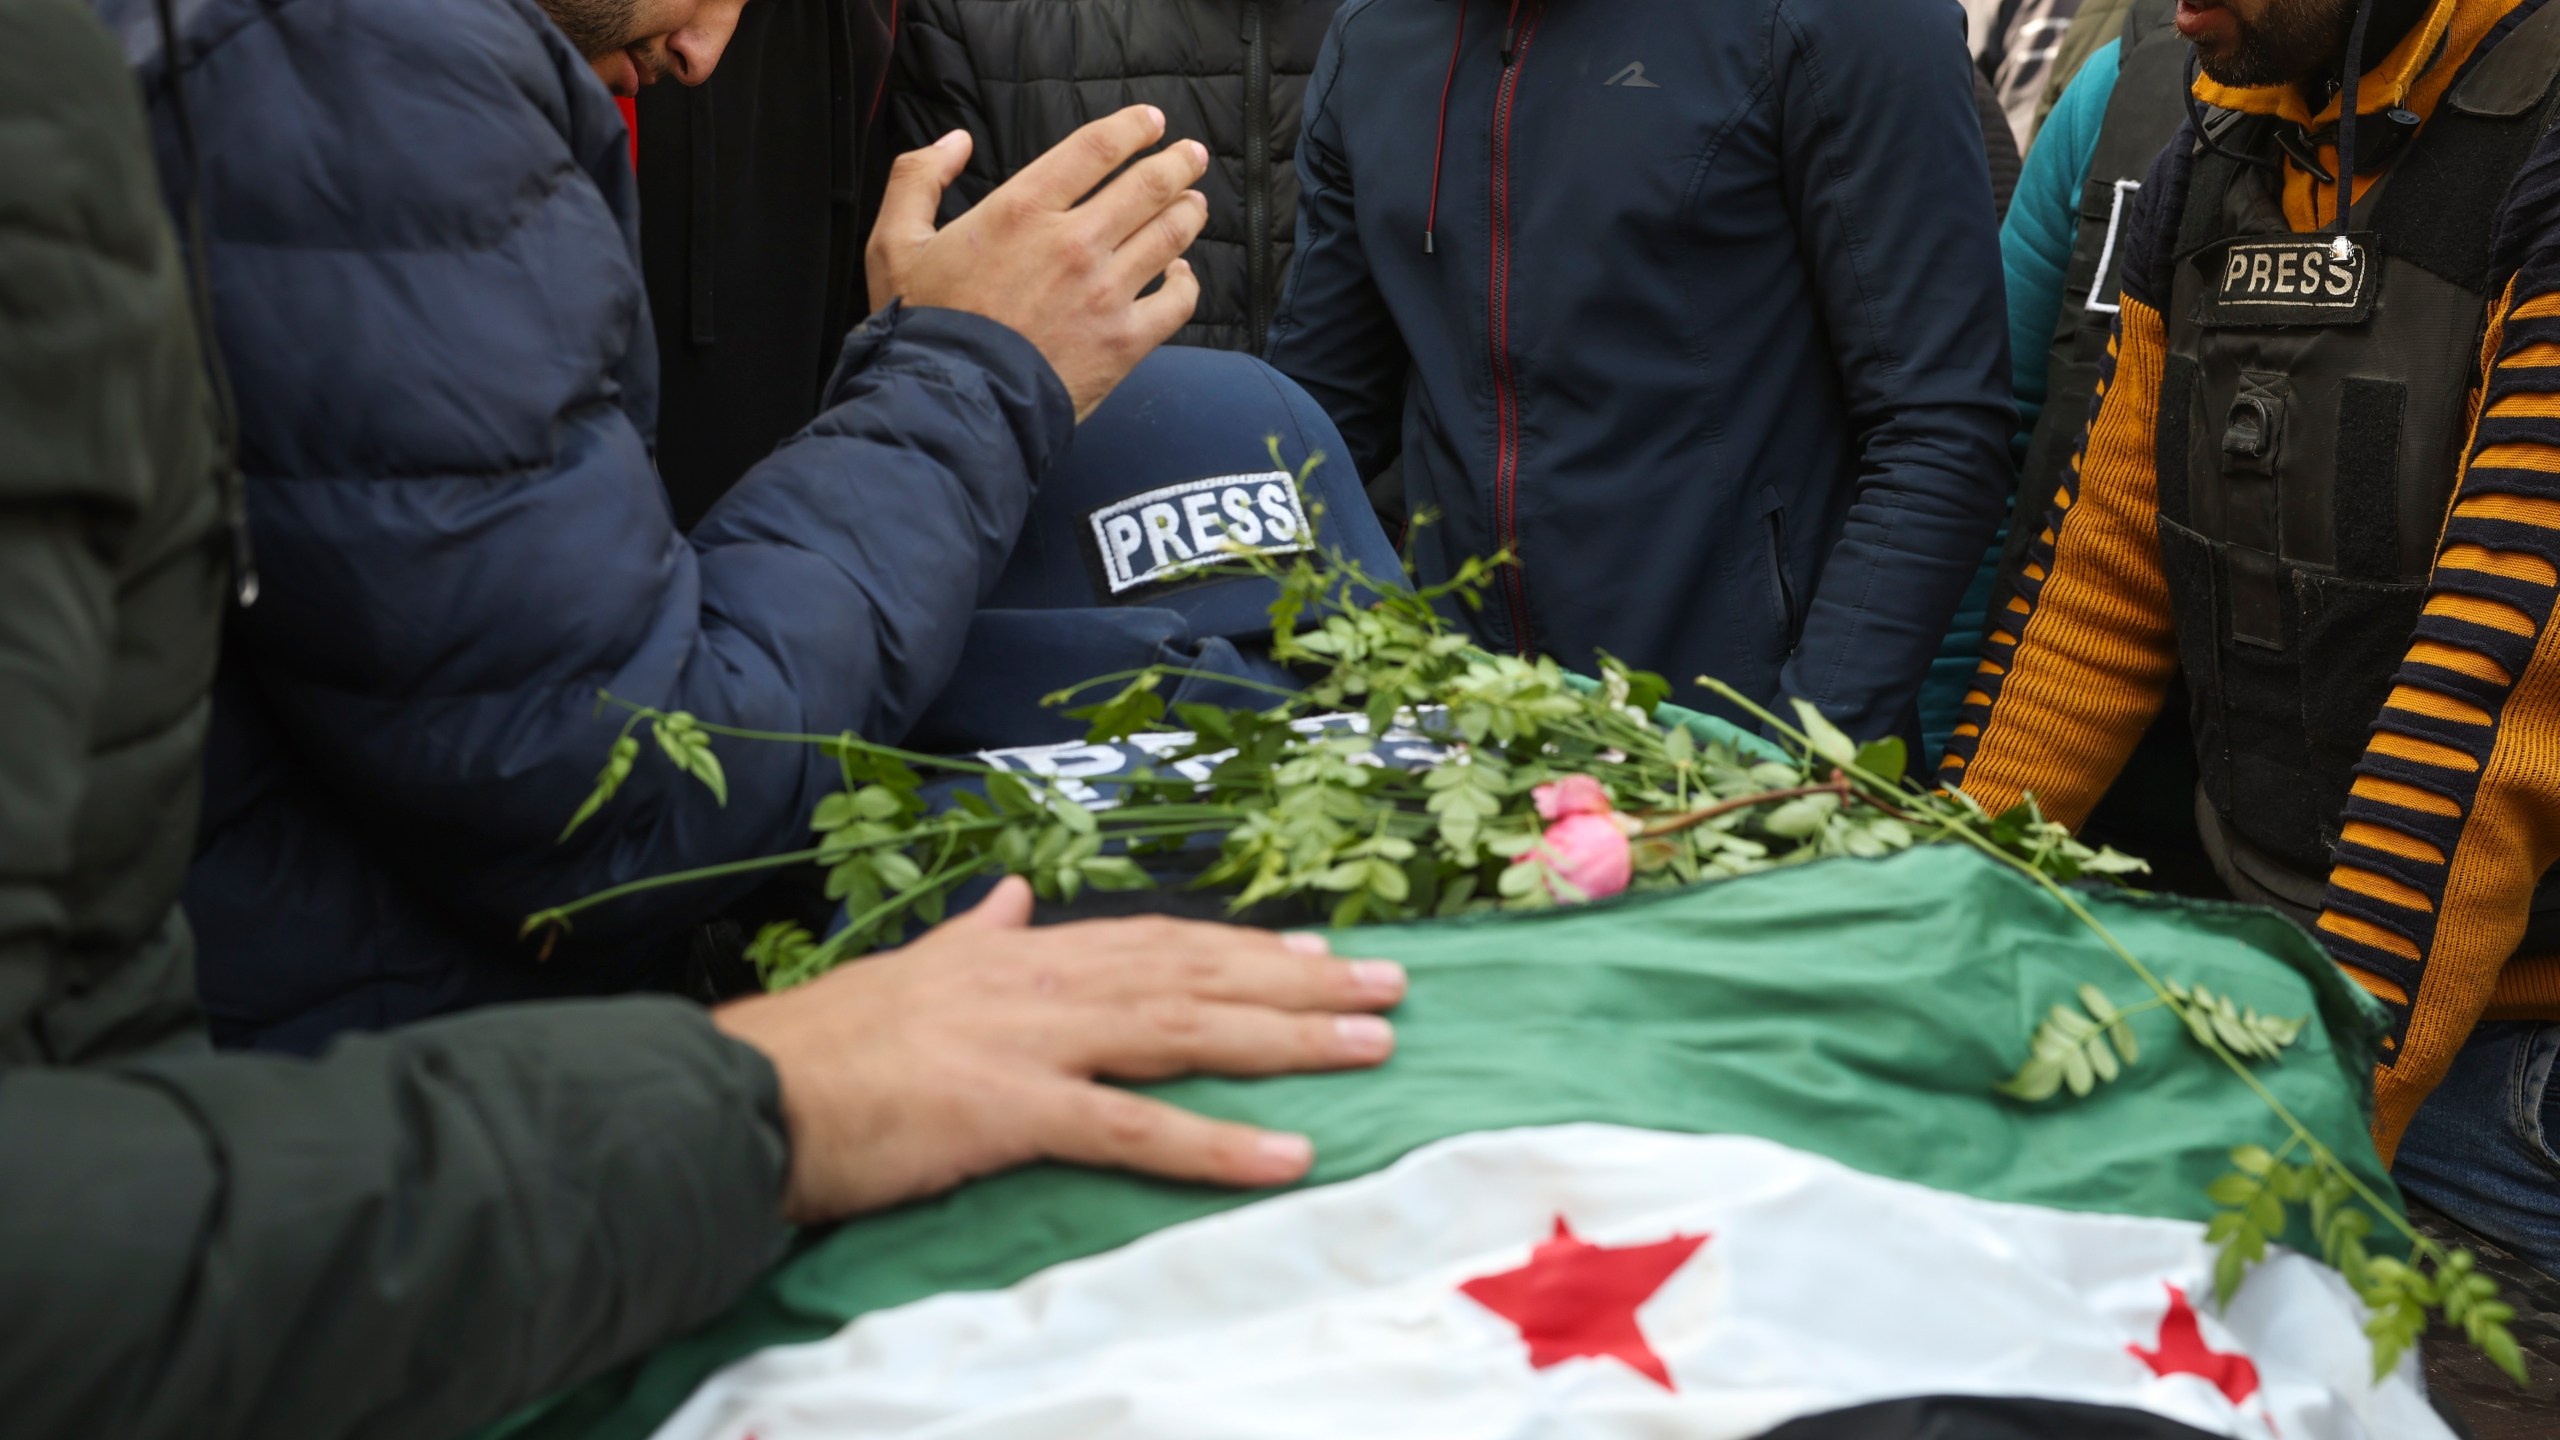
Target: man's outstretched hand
pixel 1037 254
pixel 979 1047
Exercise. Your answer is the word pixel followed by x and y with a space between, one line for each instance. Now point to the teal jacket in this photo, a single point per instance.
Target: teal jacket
pixel 2035 252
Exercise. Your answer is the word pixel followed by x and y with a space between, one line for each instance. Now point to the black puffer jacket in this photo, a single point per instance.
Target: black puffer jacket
pixel 1018 75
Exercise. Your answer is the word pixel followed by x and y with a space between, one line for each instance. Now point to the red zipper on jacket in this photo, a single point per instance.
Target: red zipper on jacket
pixel 1506 399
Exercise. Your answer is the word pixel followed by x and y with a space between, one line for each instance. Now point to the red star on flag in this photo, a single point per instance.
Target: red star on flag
pixel 1576 1299
pixel 2181 1351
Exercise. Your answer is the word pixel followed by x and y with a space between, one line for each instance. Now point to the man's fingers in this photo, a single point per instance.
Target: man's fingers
pixel 916 182
pixel 1158 315
pixel 1157 244
pixel 1072 167
pixel 1007 907
pixel 1097 1125
pixel 1173 1035
pixel 1144 192
pixel 1139 960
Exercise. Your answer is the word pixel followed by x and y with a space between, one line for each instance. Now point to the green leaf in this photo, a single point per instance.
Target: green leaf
pixel 1824 738
pixel 1115 873
pixel 1886 759
pixel 2232 1266
pixel 1388 882
pixel 1137 707
pixel 617 768
pixel 2253 1160
pixel 1800 817
pixel 1678 746
pixel 896 870
pixel 872 802
pixel 2232 1190
pixel 780 952
pixel 706 768
pixel 2095 1001
pixel 2037 1080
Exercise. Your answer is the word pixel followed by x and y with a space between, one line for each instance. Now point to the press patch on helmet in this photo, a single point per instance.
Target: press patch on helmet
pixel 1163 535
pixel 2305 280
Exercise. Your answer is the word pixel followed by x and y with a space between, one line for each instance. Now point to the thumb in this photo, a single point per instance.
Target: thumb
pixel 1007 907
pixel 916 183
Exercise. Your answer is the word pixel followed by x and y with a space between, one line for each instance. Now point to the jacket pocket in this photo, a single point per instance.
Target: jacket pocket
pixel 1782 587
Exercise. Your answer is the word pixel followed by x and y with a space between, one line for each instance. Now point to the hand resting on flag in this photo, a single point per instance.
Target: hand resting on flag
pixel 982 1046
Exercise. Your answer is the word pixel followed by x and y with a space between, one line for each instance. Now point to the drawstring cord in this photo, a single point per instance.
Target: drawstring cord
pixel 2350 103
pixel 1440 141
pixel 233 484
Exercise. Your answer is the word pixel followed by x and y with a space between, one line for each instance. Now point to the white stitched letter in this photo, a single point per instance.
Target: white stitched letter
pixel 2342 277
pixel 2284 272
pixel 1279 507
pixel 1164 531
pixel 2260 267
pixel 1125 538
pixel 1241 525
pixel 1200 507
pixel 2238 270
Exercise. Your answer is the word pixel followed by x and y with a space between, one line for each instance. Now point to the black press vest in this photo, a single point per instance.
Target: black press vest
pixel 2312 418
pixel 2143 114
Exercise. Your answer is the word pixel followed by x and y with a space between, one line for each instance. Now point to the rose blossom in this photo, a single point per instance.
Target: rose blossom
pixel 1572 795
pixel 1586 843
pixel 1590 853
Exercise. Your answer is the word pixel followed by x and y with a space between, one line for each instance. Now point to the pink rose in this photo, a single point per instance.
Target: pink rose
pixel 1572 795
pixel 1591 852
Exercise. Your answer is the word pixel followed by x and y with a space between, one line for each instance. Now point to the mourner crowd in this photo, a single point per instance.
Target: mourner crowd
pixel 2149 406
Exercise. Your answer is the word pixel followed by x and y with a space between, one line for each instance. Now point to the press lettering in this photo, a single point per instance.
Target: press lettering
pixel 1280 510
pixel 2284 272
pixel 1201 510
pixel 2260 267
pixel 1189 528
pixel 1242 527
pixel 2236 271
pixel 2342 280
pixel 1164 528
pixel 1123 535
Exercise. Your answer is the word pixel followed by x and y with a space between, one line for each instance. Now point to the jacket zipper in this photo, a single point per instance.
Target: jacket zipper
pixel 1257 176
pixel 1506 400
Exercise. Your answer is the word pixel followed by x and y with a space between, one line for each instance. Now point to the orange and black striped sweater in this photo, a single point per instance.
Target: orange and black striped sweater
pixel 2433 880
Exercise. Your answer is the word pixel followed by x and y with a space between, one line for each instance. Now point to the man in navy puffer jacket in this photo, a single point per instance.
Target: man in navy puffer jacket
pixel 1695 305
pixel 421 221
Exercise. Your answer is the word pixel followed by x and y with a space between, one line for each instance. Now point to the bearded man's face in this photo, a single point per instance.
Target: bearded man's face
pixel 2266 42
pixel 632 43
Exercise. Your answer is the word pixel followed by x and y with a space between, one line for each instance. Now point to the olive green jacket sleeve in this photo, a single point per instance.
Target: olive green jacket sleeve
pixel 411 1235
pixel 405 1238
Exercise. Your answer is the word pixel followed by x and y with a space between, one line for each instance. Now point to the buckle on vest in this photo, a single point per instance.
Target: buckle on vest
pixel 2254 427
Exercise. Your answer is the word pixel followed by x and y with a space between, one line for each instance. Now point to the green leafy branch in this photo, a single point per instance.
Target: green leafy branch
pixel 2258 1195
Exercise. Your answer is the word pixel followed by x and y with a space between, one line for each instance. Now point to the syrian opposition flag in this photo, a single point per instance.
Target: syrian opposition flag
pixel 1723 1163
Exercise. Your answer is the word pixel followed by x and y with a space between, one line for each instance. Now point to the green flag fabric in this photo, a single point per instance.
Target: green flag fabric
pixel 1838 1026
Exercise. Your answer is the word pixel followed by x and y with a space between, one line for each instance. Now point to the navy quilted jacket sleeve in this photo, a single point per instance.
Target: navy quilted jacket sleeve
pixel 425 273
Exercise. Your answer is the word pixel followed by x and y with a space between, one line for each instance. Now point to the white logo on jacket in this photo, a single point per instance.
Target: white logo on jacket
pixel 1178 529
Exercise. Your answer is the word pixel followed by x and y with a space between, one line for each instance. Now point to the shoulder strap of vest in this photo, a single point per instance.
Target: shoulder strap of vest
pixel 2516 74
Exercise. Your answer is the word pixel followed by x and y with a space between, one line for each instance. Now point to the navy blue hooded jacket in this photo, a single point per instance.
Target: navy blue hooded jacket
pixel 1696 306
pixel 424 272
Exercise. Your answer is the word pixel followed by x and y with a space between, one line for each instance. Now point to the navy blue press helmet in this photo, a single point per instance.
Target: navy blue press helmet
pixel 1127 558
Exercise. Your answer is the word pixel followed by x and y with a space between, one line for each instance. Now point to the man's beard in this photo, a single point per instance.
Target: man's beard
pixel 596 27
pixel 2295 41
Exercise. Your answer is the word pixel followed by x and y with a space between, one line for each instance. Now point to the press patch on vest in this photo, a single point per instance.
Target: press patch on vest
pixel 1163 535
pixel 2295 281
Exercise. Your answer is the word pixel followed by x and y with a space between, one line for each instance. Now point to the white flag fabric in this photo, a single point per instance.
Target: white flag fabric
pixel 1589 1280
